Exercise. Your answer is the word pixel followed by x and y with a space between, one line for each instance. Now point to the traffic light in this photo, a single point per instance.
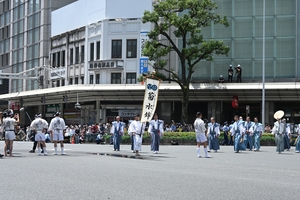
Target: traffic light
pixel 43 100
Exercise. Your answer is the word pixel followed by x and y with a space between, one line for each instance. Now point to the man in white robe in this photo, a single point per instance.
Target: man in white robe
pixel 136 130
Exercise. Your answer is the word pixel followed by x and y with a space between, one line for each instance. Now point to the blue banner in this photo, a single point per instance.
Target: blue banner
pixel 143 65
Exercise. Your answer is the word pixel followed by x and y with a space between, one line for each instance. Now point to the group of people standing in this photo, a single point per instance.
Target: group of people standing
pixel 243 132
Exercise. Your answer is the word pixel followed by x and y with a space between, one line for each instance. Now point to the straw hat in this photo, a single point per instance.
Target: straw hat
pixel 279 114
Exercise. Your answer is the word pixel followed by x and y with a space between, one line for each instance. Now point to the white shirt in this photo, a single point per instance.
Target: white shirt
pixel 39 124
pixel 117 125
pixel 212 128
pixel 9 124
pixel 237 126
pixel 136 127
pixel 199 126
pixel 153 124
pixel 256 127
pixel 57 124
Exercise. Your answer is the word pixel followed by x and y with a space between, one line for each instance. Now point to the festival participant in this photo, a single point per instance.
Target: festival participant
pixel 56 128
pixel 297 142
pixel 238 131
pixel 117 130
pixel 40 126
pixel 200 135
pixel 156 130
pixel 248 139
pixel 256 130
pixel 136 130
pixel 213 132
pixel 278 130
pixel 9 122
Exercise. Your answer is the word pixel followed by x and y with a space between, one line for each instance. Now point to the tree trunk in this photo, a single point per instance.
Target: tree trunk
pixel 185 104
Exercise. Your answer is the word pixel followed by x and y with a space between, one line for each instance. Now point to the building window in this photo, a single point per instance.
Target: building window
pixel 71 56
pixel 63 82
pixel 97 78
pixel 98 50
pixel 92 52
pixel 116 50
pixel 63 57
pixel 82 79
pixel 82 54
pixel 71 81
pixel 91 79
pixel 57 83
pixel 131 48
pixel 116 78
pixel 76 55
pixel 130 78
pixel 54 60
pixel 76 80
pixel 58 59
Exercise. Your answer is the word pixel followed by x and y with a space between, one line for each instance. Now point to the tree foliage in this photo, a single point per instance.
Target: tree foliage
pixel 185 19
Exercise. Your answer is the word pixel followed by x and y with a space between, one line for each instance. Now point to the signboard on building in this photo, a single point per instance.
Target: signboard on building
pixel 57 73
pixel 128 113
pixel 143 59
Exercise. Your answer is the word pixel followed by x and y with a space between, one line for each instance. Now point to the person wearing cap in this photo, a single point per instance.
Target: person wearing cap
pixel 9 123
pixel 225 129
pixel 278 130
pixel 136 130
pixel 56 128
pixel 248 139
pixel 238 73
pixel 117 130
pixel 230 74
pixel 200 135
pixel 221 79
pixel 213 132
pixel 256 130
pixel 156 130
pixel 238 130
pixel 40 126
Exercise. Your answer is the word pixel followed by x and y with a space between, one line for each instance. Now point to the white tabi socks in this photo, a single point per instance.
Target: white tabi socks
pixel 62 151
pixel 198 152
pixel 206 153
pixel 55 150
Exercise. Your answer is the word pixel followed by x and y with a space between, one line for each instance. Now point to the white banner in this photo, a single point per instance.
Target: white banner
pixel 143 39
pixel 150 99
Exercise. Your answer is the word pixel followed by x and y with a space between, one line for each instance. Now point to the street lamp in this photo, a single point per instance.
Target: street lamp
pixel 263 66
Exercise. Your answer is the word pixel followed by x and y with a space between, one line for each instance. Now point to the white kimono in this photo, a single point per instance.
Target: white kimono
pixel 136 130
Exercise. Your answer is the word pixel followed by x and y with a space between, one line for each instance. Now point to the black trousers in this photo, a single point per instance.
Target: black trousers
pixel 229 79
pixel 35 144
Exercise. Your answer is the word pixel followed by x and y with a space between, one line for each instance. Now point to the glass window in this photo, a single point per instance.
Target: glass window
pixel 92 52
pixel 63 82
pixel 82 54
pixel 82 79
pixel 97 78
pixel 91 79
pixel 76 80
pixel 131 48
pixel 71 81
pixel 116 50
pixel 76 55
pixel 130 78
pixel 98 50
pixel 71 56
pixel 34 6
pixel 116 78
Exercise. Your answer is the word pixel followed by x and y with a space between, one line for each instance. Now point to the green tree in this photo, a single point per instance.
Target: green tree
pixel 185 19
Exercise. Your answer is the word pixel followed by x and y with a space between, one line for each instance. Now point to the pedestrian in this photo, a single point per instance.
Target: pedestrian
pixel 238 73
pixel 221 79
pixel 9 122
pixel 213 132
pixel 279 130
pixel 238 131
pixel 156 130
pixel 225 130
pixel 40 126
pixel 230 136
pixel 117 130
pixel 32 136
pixel 56 128
pixel 297 142
pixel 286 137
pixel 248 139
pixel 230 74
pixel 256 130
pixel 136 130
pixel 200 135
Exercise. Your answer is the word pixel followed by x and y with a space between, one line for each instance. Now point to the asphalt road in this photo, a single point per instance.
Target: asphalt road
pixel 175 173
